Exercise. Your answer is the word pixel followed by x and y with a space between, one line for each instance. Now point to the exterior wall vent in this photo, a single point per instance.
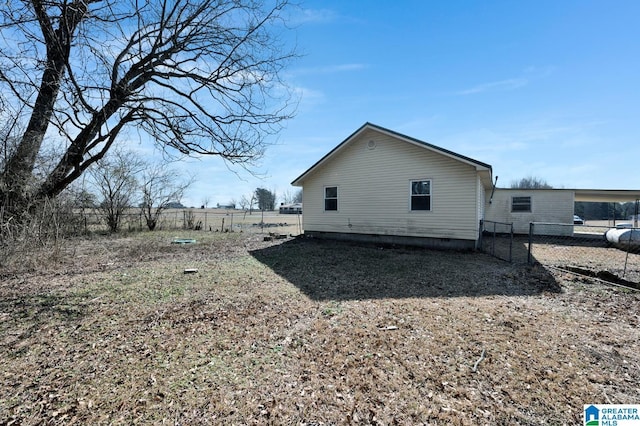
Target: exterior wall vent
pixel 371 144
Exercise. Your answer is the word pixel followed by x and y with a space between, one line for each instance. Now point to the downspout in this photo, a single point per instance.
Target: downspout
pixel 493 190
pixel 479 240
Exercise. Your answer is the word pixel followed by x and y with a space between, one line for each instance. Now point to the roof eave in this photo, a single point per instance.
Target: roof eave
pixel 299 180
pixel 479 166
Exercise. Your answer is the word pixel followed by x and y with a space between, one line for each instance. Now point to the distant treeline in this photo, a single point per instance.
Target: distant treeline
pixel 602 211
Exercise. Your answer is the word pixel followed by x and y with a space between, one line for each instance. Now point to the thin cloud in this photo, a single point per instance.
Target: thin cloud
pixel 307 98
pixel 331 69
pixel 308 94
pixel 344 67
pixel 306 16
pixel 502 85
pixel 538 72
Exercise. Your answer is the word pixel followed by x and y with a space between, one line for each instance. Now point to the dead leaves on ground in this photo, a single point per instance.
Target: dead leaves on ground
pixel 240 343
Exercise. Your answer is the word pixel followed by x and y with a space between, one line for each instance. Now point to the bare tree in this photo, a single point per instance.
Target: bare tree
pixel 205 201
pixel 114 178
pixel 197 76
pixel 10 130
pixel 289 197
pixel 160 187
pixel 531 182
pixel 244 203
pixel 286 197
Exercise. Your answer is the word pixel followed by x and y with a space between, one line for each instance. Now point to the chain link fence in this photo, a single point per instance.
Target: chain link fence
pixel 497 239
pixel 209 220
pixel 582 249
pixel 585 249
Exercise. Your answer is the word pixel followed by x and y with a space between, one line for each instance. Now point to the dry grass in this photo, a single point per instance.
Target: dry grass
pixel 300 331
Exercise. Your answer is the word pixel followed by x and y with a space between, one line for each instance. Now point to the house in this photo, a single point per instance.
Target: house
pixel 520 207
pixel 382 186
pixel 295 208
pixel 229 206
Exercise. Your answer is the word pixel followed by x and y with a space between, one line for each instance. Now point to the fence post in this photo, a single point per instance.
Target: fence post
pixel 511 244
pixel 493 241
pixel 530 242
pixel 626 259
pixel 480 236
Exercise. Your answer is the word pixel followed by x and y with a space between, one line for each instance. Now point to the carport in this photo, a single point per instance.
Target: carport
pixel 610 196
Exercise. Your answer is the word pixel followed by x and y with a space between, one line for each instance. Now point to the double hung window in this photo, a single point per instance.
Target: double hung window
pixel 330 198
pixel 420 195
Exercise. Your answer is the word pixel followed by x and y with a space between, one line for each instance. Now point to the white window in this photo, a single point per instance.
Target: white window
pixel 420 195
pixel 330 198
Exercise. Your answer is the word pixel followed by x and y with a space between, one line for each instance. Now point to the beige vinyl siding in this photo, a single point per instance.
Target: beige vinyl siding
pixel 374 191
pixel 481 202
pixel 547 205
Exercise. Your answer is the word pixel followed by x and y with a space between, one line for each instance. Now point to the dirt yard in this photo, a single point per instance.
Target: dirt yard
pixel 295 331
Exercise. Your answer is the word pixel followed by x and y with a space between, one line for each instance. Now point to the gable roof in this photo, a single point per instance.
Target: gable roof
pixel 479 166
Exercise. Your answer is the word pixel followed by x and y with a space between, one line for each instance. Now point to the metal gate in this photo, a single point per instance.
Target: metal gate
pixel 496 239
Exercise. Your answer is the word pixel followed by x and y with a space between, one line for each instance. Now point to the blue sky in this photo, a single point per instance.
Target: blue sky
pixel 549 89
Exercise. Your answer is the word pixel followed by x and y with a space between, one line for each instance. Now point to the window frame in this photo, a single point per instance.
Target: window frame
pixel 330 198
pixel 429 196
pixel 522 206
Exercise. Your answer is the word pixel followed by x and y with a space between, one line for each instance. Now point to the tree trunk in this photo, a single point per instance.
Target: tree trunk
pixel 16 180
pixel 17 176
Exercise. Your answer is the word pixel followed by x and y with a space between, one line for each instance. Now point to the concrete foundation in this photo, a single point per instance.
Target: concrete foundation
pixel 424 242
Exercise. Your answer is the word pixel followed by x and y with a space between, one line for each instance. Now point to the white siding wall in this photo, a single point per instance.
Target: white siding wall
pixel 481 202
pixel 374 192
pixel 547 205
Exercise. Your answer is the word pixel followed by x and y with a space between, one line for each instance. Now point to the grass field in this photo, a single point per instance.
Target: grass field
pixel 296 331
